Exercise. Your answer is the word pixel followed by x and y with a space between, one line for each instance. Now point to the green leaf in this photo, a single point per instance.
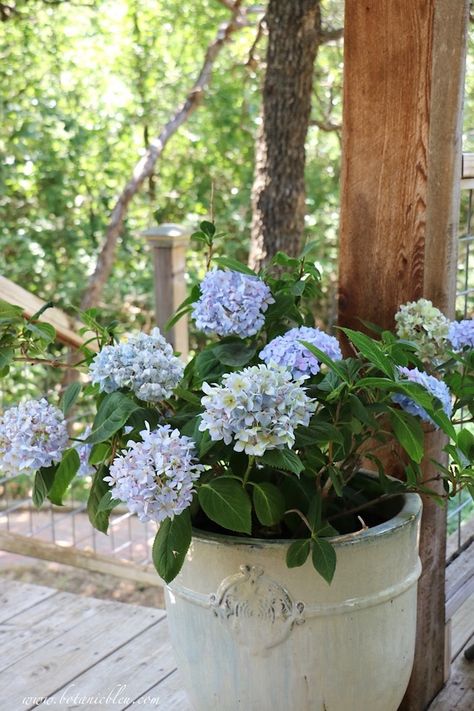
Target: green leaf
pixel 234 265
pixel 205 443
pixel 99 519
pixel 113 413
pixel 323 358
pixel 70 396
pixel 284 459
pixel 465 443
pixel 6 357
pixel 99 453
pixel 324 558
pixel 370 349
pixel 225 502
pixel 234 354
pixel 65 473
pixel 171 545
pixel 42 330
pixel 409 433
pixel 208 228
pixel 10 312
pixel 107 503
pixel 41 485
pixel 297 553
pixel 269 503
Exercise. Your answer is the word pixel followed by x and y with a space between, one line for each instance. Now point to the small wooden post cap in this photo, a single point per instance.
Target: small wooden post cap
pixel 168 234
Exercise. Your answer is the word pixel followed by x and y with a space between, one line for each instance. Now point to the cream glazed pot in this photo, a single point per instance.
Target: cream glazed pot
pixel 251 634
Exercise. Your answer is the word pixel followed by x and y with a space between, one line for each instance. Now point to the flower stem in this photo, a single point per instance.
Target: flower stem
pixel 248 470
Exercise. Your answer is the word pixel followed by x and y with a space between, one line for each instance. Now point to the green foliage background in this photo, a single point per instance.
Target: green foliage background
pixel 83 90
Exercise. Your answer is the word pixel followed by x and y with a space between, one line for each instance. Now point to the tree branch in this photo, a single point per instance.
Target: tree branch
pixel 331 35
pixel 145 166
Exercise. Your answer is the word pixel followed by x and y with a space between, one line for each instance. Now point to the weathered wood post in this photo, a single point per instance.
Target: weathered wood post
pixel 403 87
pixel 169 243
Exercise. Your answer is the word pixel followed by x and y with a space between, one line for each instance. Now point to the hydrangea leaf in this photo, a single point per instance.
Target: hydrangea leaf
pixel 171 545
pixel 409 433
pixel 99 519
pixel 269 503
pixel 283 459
pixel 70 396
pixel 64 475
pixel 226 503
pixel 324 558
pixel 297 553
pixel 113 413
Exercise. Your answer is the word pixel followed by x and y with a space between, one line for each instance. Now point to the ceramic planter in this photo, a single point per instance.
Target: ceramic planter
pixel 251 634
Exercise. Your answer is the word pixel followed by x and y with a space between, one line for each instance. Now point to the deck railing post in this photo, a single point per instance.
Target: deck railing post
pixel 169 243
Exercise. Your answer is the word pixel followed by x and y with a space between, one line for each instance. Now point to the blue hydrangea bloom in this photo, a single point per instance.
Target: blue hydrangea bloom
pixel 231 304
pixel 433 386
pixel 461 334
pixel 287 350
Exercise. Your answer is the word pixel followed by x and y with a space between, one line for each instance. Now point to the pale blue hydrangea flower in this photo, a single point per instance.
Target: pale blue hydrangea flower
pixel 461 334
pixel 257 408
pixel 231 304
pixel 288 351
pixel 84 449
pixel 425 325
pixel 155 477
pixel 434 386
pixel 32 435
pixel 145 364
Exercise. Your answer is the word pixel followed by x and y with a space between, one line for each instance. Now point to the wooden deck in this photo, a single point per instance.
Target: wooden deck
pixel 83 653
pixel 61 645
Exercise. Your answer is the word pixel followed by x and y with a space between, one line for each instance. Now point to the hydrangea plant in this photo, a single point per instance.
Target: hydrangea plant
pixel 265 431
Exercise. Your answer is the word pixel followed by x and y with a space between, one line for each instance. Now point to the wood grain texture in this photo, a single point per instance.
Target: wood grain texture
pixel 16 597
pixel 387 50
pixel 403 75
pixel 49 667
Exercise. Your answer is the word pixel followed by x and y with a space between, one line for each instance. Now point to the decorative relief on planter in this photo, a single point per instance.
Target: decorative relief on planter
pixel 259 611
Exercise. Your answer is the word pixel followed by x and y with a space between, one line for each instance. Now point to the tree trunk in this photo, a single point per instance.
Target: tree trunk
pixel 278 194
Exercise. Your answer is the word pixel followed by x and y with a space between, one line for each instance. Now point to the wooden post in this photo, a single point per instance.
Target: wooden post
pixel 403 79
pixel 169 243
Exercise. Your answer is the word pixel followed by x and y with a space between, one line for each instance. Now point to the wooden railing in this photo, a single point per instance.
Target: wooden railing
pixel 67 329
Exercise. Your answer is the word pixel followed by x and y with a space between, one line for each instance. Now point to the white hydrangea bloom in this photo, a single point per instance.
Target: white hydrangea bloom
pixel 32 435
pixel 155 477
pixel 145 364
pixel 257 408
pixel 424 324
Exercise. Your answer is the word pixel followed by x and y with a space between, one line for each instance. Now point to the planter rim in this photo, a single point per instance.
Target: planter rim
pixel 410 511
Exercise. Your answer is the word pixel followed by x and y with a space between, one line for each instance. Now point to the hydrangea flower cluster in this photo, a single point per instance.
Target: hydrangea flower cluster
pixel 32 435
pixel 433 386
pixel 155 477
pixel 461 334
pixel 145 364
pixel 231 304
pixel 287 350
pixel 424 324
pixel 257 408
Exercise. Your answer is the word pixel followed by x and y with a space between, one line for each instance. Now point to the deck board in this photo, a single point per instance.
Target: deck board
pixel 70 648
